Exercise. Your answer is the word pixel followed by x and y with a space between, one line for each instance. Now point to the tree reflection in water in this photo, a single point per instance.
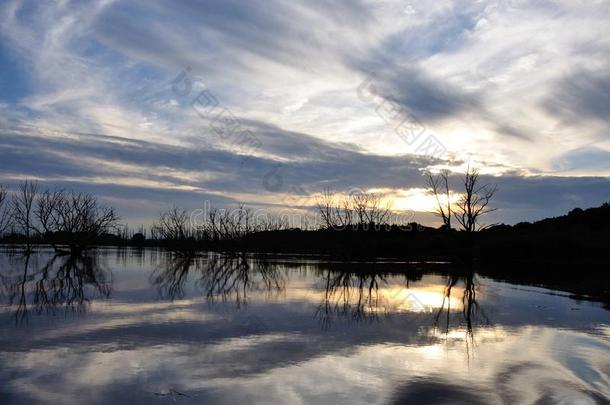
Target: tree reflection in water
pixel 63 282
pixel 358 295
pixel 472 313
pixel 219 277
pixel 171 274
pixel 351 295
pixel 356 292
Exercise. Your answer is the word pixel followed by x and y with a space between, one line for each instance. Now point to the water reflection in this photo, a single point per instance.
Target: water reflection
pixel 217 329
pixel 471 311
pixel 358 294
pixel 61 282
pixel 171 274
pixel 355 292
pixel 217 277
pixel 353 295
pixel 232 279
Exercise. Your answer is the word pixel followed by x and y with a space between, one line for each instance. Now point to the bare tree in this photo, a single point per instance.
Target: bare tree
pixel 269 222
pixel 243 220
pixel 230 224
pixel 94 219
pixel 369 209
pixel 81 213
pixel 154 234
pixel 49 209
pixel 474 202
pixel 439 184
pixel 23 207
pixel 357 209
pixel 327 208
pixel 173 225
pixel 5 212
pixel 77 216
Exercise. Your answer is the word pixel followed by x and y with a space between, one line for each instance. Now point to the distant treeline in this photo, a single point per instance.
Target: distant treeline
pixel 354 225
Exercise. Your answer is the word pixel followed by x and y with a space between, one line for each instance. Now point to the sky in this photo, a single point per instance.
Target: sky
pixel 151 104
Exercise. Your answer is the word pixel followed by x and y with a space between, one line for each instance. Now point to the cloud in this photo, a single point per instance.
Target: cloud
pixel 319 162
pixel 426 98
pixel 587 158
pixel 582 95
pixel 89 93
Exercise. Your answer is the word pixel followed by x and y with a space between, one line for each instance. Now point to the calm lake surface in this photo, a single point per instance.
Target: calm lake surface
pixel 144 326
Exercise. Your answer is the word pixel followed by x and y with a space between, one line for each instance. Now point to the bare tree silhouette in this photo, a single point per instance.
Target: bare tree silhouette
pixel 77 217
pixel 368 208
pixel 23 209
pixel 474 202
pixel 229 224
pixel 358 210
pixel 331 213
pixel 439 184
pixel 5 212
pixel 172 225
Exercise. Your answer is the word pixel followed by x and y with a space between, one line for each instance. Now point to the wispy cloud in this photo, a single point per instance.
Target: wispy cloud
pixel 519 85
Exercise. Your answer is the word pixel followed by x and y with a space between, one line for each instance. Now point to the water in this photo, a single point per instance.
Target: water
pixel 129 326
